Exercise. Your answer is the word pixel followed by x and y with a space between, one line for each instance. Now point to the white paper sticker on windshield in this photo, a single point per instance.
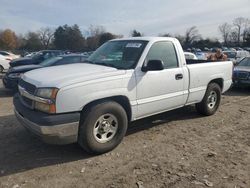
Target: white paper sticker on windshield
pixel 133 45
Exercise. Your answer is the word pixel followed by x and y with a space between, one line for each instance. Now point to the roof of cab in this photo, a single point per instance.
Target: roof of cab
pixel 152 39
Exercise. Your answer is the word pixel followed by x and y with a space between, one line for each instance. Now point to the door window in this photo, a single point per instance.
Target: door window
pixel 164 51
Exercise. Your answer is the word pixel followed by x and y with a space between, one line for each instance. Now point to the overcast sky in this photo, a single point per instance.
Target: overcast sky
pixel 151 17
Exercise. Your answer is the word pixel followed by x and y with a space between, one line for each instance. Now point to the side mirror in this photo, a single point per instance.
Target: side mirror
pixel 153 65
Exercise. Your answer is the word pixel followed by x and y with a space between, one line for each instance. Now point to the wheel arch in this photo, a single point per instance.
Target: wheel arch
pixel 218 81
pixel 120 99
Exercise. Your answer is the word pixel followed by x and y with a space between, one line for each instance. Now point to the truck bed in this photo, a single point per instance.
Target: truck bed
pixel 202 73
pixel 195 61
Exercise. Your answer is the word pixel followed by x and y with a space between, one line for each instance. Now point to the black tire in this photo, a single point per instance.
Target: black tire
pixel 205 107
pixel 89 119
pixel 1 69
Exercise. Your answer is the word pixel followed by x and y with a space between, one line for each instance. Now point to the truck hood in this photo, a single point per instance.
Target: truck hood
pixel 64 75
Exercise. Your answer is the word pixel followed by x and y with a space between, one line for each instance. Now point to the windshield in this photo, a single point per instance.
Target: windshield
pixel 37 55
pixel 50 61
pixel 230 54
pixel 245 62
pixel 118 54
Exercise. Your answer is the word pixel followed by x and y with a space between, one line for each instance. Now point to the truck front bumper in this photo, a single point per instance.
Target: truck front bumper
pixel 52 129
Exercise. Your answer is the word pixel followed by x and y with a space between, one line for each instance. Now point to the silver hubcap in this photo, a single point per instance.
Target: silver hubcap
pixel 105 128
pixel 212 99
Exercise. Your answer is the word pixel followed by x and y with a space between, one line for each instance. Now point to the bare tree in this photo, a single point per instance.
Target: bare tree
pixel 233 37
pixel 225 30
pixel 246 29
pixel 96 30
pixel 46 35
pixel 181 38
pixel 239 24
pixel 191 35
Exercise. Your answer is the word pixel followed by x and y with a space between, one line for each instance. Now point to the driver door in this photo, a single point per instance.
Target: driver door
pixel 162 90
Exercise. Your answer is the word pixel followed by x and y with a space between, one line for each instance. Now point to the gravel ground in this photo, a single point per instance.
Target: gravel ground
pixel 173 149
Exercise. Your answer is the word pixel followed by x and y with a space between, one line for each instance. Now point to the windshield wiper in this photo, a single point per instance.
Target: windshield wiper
pixel 101 63
pixel 88 61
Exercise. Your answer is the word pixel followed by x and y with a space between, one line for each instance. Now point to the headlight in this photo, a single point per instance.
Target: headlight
pixel 48 108
pixel 15 75
pixel 46 93
pixel 42 107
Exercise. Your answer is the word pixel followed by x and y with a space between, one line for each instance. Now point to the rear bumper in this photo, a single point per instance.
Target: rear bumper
pixel 52 129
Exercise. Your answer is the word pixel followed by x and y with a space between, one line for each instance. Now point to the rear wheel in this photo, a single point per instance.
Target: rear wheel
pixel 211 101
pixel 102 127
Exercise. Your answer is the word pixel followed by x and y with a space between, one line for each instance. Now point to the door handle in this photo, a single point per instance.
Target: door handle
pixel 178 76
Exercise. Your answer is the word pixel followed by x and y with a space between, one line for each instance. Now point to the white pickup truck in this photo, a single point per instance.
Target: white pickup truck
pixel 124 80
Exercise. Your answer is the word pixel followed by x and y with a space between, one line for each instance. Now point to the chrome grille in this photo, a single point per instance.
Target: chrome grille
pixel 28 88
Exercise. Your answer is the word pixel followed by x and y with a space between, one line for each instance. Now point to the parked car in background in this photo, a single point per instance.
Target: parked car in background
pixel 201 55
pixel 238 48
pixel 231 55
pixel 213 50
pixel 241 75
pixel 31 54
pixel 189 55
pixel 9 55
pixel 36 59
pixel 10 80
pixel 241 54
pixel 206 49
pixel 4 63
pixel 247 49
pixel 224 48
pixel 232 49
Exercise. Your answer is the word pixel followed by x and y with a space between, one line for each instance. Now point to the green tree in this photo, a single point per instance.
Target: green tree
pixel 135 33
pixel 32 42
pixel 104 37
pixel 209 43
pixel 69 38
pixel 166 35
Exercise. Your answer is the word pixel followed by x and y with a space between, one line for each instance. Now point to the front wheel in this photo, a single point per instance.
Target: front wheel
pixel 102 127
pixel 211 101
